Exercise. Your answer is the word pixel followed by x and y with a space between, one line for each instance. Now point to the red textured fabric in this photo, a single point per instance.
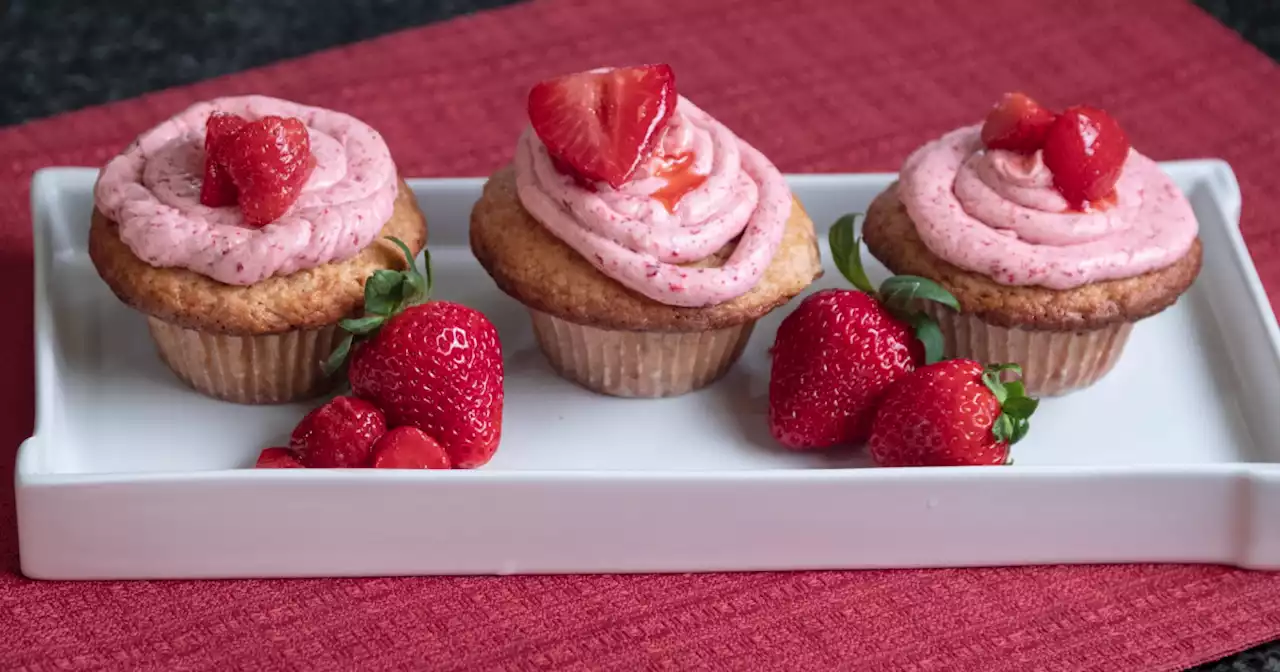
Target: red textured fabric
pixel 818 85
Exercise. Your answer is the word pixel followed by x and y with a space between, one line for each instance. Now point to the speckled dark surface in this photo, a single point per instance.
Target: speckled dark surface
pixel 58 55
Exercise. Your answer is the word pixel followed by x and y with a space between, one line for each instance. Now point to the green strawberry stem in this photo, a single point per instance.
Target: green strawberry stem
pixel 386 294
pixel 897 292
pixel 1016 407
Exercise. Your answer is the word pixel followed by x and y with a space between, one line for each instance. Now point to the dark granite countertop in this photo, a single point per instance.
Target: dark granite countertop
pixel 59 55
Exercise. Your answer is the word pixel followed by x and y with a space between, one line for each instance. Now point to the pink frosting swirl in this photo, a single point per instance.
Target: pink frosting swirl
pixel 631 237
pixel 152 190
pixel 997 213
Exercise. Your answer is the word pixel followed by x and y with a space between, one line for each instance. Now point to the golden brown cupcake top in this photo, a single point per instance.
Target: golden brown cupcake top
pixel 1005 214
pixel 891 236
pixel 306 299
pixel 243 188
pixel 538 269
pixel 647 187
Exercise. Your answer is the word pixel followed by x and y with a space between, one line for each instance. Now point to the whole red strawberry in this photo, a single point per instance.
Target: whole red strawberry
pixel 833 358
pixel 951 413
pixel 841 349
pixel 339 434
pixel 1085 149
pixel 269 160
pixel 602 123
pixel 1017 123
pixel 436 366
pixel 409 448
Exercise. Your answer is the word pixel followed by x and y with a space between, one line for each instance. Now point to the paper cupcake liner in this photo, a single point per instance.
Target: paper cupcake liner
pixel 639 364
pixel 1053 362
pixel 268 369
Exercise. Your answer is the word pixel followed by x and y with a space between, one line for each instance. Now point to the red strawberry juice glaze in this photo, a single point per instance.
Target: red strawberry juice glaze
pixel 634 236
pixel 996 213
pixel 152 190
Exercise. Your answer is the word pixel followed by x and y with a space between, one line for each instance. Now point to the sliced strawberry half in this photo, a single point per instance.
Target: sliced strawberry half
pixel 409 448
pixel 217 190
pixel 1017 123
pixel 269 160
pixel 603 123
pixel 1086 150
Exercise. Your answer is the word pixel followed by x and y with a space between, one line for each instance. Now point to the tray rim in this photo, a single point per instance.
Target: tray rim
pixel 1221 506
pixel 46 181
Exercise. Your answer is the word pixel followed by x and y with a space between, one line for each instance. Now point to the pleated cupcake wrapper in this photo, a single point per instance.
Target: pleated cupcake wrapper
pixel 638 363
pixel 1053 362
pixel 268 369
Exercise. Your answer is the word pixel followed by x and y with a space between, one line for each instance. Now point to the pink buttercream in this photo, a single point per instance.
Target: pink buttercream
pixel 631 237
pixel 997 213
pixel 152 191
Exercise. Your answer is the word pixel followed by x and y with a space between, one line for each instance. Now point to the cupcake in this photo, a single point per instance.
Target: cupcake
pixel 243 229
pixel 644 237
pixel 1054 235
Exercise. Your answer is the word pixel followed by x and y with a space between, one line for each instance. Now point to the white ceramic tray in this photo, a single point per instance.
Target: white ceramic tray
pixel 1172 458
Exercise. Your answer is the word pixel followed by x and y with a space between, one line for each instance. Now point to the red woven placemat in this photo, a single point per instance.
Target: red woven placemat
pixel 817 85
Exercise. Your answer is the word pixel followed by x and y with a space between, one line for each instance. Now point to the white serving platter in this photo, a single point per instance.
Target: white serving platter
pixel 1174 457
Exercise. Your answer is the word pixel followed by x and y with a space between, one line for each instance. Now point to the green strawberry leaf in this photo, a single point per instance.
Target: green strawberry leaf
pixel 1016 407
pixel 992 380
pixel 846 252
pixel 382 292
pixel 1020 407
pixel 900 290
pixel 428 278
pixel 338 356
pixel 386 294
pixel 362 326
pixel 929 335
pixel 1015 389
pixel 1003 429
pixel 419 285
pixel 1020 428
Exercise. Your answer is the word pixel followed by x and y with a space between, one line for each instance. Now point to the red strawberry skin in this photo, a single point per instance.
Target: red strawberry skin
pixel 269 160
pixel 217 190
pixel 940 415
pixel 603 123
pixel 833 359
pixel 1086 150
pixel 1018 124
pixel 277 458
pixel 409 448
pixel 339 434
pixel 437 366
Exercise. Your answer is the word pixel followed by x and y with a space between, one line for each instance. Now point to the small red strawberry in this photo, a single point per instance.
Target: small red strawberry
pixel 339 434
pixel 952 413
pixel 1086 150
pixel 217 190
pixel 436 366
pixel 409 448
pixel 841 349
pixel 277 458
pixel 602 123
pixel 269 160
pixel 1017 123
